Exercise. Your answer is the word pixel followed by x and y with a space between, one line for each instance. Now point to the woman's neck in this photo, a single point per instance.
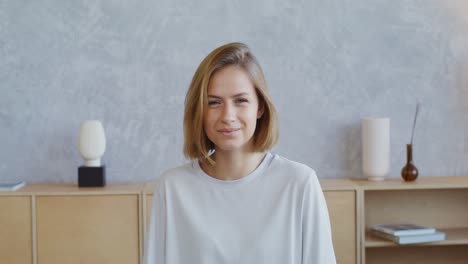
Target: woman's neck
pixel 233 165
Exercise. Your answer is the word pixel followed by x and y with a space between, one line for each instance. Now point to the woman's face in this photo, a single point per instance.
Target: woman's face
pixel 233 110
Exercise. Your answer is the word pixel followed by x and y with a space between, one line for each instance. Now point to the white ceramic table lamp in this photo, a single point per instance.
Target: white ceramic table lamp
pixel 92 145
pixel 92 142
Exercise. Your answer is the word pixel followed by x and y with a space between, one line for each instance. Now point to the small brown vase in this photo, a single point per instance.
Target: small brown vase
pixel 409 171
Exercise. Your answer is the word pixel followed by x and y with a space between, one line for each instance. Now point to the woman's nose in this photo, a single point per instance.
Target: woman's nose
pixel 228 114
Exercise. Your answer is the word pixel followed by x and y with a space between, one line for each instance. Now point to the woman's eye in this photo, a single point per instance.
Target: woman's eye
pixel 241 100
pixel 213 103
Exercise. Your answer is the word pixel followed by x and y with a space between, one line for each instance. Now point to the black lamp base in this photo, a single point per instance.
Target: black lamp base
pixel 91 176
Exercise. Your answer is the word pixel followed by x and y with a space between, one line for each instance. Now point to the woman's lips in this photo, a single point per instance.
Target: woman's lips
pixel 228 132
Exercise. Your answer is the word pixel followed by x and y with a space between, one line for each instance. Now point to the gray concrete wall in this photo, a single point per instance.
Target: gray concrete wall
pixel 328 64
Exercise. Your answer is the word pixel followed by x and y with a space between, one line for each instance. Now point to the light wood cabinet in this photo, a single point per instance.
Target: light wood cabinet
pixel 61 223
pixel 341 198
pixel 342 210
pixel 88 229
pixel 16 229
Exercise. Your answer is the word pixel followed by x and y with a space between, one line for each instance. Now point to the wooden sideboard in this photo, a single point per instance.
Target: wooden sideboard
pixel 61 223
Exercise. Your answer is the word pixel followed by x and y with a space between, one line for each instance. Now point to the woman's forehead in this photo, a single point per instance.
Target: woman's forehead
pixel 230 81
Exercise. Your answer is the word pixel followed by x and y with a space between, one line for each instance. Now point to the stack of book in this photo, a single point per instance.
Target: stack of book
pixel 404 234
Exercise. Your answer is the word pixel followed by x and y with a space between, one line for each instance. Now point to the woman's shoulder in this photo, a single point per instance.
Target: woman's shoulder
pixel 293 169
pixel 176 173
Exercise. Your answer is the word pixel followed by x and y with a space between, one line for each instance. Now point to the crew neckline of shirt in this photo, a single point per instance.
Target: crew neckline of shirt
pixel 254 174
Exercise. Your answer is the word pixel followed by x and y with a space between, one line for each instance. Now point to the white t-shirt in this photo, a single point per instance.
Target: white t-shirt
pixel 276 214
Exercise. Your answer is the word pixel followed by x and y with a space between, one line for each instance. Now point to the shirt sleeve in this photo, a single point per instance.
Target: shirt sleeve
pixel 317 246
pixel 156 234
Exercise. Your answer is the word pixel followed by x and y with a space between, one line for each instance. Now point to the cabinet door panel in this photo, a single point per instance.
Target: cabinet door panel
pixel 88 229
pixel 15 229
pixel 342 209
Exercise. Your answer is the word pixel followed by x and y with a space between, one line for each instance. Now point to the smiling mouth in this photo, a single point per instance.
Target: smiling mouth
pixel 228 131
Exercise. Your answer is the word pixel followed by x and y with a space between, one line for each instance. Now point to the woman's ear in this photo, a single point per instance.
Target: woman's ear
pixel 261 110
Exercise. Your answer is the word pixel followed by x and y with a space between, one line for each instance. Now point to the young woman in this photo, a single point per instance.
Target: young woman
pixel 236 202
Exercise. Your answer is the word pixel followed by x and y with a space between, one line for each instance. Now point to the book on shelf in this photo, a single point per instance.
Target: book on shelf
pixel 412 239
pixel 11 187
pixel 403 229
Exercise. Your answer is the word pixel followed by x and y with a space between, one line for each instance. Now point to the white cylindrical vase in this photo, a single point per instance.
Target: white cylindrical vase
pixel 375 148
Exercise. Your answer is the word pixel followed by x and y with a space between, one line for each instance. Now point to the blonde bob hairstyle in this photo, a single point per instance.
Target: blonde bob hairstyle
pixel 197 144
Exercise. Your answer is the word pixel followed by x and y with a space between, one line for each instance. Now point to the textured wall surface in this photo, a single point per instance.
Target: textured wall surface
pixel 328 64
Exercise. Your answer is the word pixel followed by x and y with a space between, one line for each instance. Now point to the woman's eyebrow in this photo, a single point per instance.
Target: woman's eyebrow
pixel 219 97
pixel 239 94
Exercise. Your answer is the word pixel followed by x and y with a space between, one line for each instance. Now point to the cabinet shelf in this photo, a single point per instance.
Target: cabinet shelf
pixel 433 202
pixel 453 236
